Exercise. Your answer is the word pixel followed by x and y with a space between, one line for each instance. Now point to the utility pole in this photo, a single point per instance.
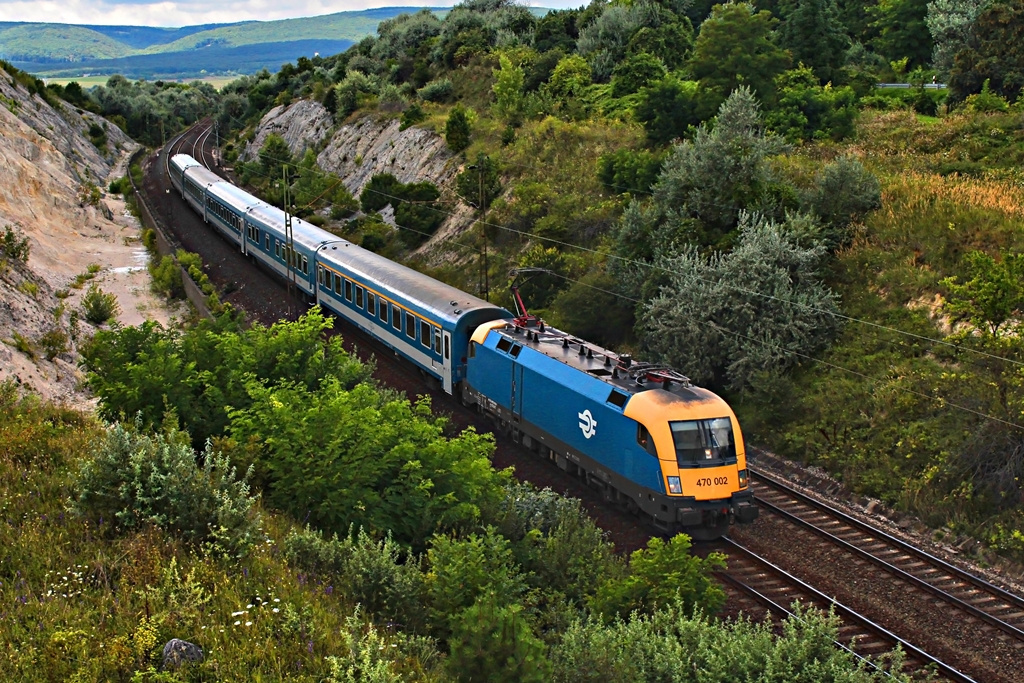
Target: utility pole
pixel 289 241
pixel 216 143
pixel 485 275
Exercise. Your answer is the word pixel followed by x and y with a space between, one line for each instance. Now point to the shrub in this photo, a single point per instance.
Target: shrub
pixel 54 342
pixel 986 101
pixel 166 276
pixel 436 91
pixel 411 116
pixel 99 306
pixel 24 344
pixel 379 575
pixel 133 480
pixel 14 245
pixel 457 130
pixel 492 642
pixel 660 575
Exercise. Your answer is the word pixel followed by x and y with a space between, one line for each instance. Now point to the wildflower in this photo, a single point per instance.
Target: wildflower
pixel 248 623
pixel 238 614
pixel 277 599
pixel 237 623
pixel 276 610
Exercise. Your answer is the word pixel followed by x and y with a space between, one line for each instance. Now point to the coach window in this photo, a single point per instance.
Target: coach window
pixel 371 304
pixel 305 266
pixel 384 311
pixel 277 248
pixel 410 325
pixel 328 279
pixel 396 318
pixel 359 296
pixel 437 340
pixel 425 333
pixel 266 242
pixel 447 350
pixel 337 285
pixel 320 274
pixel 348 290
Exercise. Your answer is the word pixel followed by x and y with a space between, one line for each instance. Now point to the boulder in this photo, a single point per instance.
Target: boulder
pixel 178 652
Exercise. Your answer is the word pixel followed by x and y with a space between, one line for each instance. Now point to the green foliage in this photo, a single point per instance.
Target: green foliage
pixel 378 575
pixel 14 245
pixel 508 89
pixel 635 72
pixel 816 38
pixel 98 136
pixel 630 170
pixel 479 183
pixel 416 210
pixel 99 306
pixel 133 480
pixel 844 193
pixel 24 345
pixel 439 90
pixel 950 22
pixel 595 308
pixel 457 130
pixel 762 307
pixel 166 277
pixel 412 115
pixel 992 294
pixel 274 156
pixel 493 641
pixel 462 571
pixel 900 30
pixel 986 101
pixel 569 78
pixel 674 645
pixel 198 373
pixel 668 108
pixel 807 111
pixel 735 47
pixel 382 462
pixel 54 342
pixel 661 575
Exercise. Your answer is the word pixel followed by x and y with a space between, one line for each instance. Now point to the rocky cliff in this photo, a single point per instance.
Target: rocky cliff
pixel 51 181
pixel 359 150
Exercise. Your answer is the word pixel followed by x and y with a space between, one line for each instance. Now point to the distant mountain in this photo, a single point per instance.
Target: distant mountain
pixel 146 52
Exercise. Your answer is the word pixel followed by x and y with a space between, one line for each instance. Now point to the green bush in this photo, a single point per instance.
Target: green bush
pixel 457 130
pixel 379 575
pixel 807 110
pixel 133 480
pixel 492 641
pixel 99 306
pixel 166 276
pixel 436 91
pixel 14 245
pixel 54 342
pixel 660 575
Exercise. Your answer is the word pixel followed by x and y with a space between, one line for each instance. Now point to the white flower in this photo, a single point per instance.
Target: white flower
pixel 248 623
pixel 237 623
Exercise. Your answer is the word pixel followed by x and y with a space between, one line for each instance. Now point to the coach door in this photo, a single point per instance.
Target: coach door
pixel 517 392
pixel 446 360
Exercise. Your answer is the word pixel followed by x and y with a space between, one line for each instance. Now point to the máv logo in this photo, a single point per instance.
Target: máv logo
pixel 588 425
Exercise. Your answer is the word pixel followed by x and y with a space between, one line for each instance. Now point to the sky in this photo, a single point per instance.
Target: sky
pixel 190 12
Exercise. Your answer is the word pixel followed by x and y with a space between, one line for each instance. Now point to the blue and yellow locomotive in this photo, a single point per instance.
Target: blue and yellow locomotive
pixel 643 435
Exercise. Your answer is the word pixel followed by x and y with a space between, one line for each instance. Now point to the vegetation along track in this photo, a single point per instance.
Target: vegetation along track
pixel 758 581
pixel 265 300
pixel 975 625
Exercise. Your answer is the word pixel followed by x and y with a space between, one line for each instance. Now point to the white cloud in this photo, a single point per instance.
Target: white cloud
pixel 192 12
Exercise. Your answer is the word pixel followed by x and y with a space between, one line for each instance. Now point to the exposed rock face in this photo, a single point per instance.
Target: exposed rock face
pixel 303 125
pixel 45 163
pixel 361 150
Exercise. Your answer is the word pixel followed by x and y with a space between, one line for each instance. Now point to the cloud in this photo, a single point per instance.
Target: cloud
pixel 192 12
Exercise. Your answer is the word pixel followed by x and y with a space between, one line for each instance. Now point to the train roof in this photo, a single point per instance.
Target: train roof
pixel 440 299
pixel 184 161
pixel 617 370
pixel 304 234
pixel 235 197
pixel 202 175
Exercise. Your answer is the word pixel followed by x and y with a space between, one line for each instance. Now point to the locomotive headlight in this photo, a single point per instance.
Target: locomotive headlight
pixel 674 486
pixel 743 479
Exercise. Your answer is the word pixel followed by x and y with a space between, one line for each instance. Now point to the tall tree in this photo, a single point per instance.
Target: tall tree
pixel 994 52
pixel 736 46
pixel 815 36
pixel 950 23
pixel 901 31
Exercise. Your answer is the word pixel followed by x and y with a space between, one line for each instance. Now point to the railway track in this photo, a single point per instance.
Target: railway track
pixel 755 578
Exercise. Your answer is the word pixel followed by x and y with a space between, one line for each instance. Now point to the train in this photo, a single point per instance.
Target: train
pixel 643 435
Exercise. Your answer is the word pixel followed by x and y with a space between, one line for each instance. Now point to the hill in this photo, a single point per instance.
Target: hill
pixel 50 50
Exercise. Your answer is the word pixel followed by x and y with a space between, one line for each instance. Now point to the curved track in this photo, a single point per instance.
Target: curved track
pixel 266 300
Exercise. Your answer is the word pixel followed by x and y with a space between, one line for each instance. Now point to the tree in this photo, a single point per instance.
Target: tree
pixel 274 155
pixel 735 46
pixel 807 110
pixel 844 193
pixel 479 182
pixel 991 296
pixel 667 108
pixel 901 31
pixel 994 53
pixel 494 642
pixel 457 130
pixel 950 23
pixel 508 88
pixel 635 72
pixel 816 37
pixel 569 78
pixel 725 318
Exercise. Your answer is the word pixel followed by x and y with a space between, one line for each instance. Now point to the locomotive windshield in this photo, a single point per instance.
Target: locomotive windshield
pixel 704 442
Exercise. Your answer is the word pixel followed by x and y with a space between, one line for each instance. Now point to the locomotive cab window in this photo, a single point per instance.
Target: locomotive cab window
pixel 644 438
pixel 703 442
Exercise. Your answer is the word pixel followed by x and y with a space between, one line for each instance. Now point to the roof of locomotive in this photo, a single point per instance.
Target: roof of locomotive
pixel 618 370
pixel 441 300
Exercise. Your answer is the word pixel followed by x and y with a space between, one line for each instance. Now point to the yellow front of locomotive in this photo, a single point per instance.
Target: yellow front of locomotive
pixel 699 445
